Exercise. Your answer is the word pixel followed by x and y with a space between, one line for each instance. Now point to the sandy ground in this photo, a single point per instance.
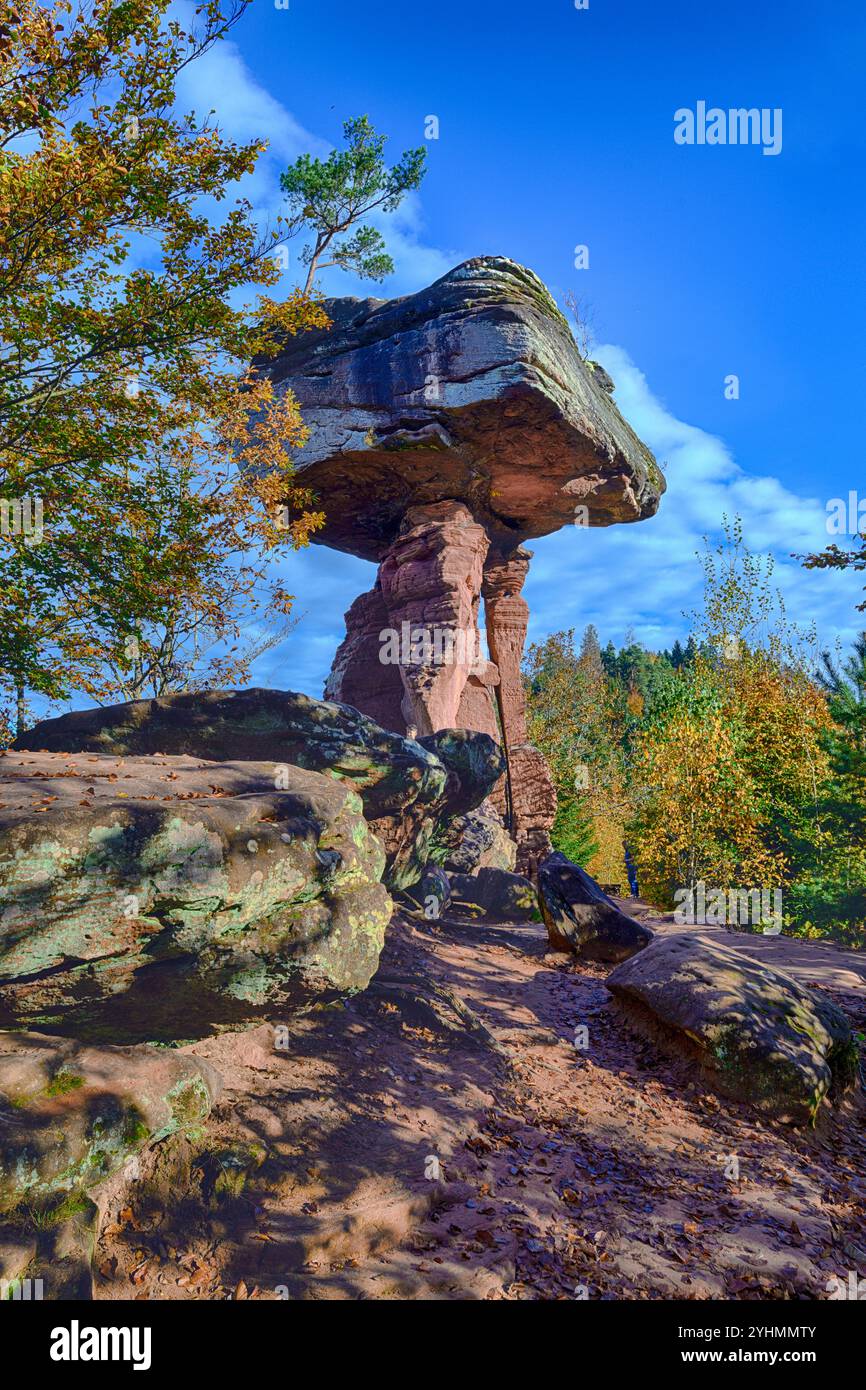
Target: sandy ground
pixel 441 1136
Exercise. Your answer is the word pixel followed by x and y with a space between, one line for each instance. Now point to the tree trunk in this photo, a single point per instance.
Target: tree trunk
pixel 20 710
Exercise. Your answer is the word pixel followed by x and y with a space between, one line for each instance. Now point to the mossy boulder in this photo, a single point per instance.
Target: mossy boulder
pixel 148 899
pixel 475 840
pixel 406 790
pixel 758 1035
pixel 474 763
pixel 71 1115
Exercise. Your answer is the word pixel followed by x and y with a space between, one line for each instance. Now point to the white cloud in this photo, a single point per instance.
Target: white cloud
pixel 647 575
pixel 220 81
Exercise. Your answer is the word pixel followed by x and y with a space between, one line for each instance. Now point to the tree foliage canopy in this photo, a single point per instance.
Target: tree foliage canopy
pixel 125 384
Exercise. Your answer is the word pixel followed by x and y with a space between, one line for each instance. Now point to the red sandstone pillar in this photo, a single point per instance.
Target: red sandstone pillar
pixel 430 581
pixel 531 797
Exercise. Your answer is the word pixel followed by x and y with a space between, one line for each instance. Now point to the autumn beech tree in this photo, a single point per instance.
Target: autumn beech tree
pixel 125 249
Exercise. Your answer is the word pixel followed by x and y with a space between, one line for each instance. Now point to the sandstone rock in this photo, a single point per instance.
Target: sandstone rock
pixel 432 892
pixel 478 703
pixel 70 1115
pixel 17 1253
pixel 529 795
pixel 581 918
pixel 162 898
pixel 446 428
pixel 400 783
pixel 358 677
pixel 471 390
pixel 758 1035
pixel 506 614
pixel 473 841
pixel 501 896
pixel 430 581
pixel 531 805
pixel 474 764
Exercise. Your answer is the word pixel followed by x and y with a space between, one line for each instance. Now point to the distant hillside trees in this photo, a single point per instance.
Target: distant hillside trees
pixel 730 759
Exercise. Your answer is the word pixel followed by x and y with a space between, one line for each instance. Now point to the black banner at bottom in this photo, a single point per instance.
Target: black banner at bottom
pixel 198 1337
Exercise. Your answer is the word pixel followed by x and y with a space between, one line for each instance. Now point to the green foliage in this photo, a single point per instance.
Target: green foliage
pixel 724 759
pixel 334 195
pixel 830 893
pixel 845 742
pixel 578 717
pixel 573 832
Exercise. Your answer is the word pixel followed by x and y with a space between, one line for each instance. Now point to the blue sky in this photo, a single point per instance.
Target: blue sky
pixel 556 129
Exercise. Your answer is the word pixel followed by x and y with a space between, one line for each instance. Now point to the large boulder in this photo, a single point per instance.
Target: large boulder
pixel 161 898
pixel 406 789
pixel 476 840
pixel 496 894
pixel 581 918
pixel 757 1035
pixel 474 763
pixel 70 1115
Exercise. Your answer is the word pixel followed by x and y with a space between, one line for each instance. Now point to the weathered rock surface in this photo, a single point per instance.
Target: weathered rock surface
pixel 161 898
pixel 471 390
pixel 501 896
pixel 506 615
pixel 476 840
pixel 758 1035
pixel 430 581
pixel 405 788
pixel 70 1115
pixel 531 804
pixel 581 918
pixel 474 763
pixel 358 677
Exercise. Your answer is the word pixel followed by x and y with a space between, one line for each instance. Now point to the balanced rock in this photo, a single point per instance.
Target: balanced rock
pixel 146 898
pixel 406 789
pixel 70 1115
pixel 472 389
pixel 581 918
pixel 446 428
pixel 757 1035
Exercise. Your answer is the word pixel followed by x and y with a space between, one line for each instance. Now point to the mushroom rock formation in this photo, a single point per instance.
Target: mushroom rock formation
pixel 446 428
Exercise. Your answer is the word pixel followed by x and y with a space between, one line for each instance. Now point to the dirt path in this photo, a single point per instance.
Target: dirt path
pixel 565 1171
